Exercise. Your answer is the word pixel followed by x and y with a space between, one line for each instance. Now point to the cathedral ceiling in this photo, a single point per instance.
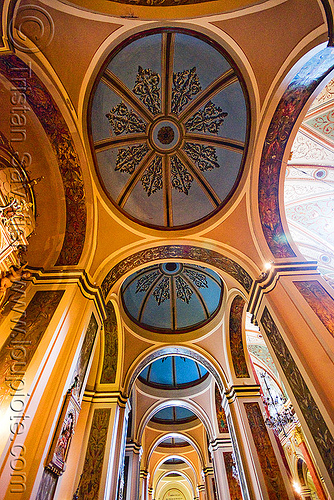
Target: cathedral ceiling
pixel 169 129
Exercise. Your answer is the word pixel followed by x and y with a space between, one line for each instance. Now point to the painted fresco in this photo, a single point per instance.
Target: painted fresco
pixel 22 343
pixel 167 252
pixel 313 417
pixel 319 300
pixel 54 125
pixel 269 466
pixel 233 482
pixel 285 116
pixel 92 469
pixel 221 416
pixel 110 346
pixel 84 356
pixel 242 479
pixel 236 343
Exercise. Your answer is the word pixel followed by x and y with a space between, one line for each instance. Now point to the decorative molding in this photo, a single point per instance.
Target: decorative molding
pixel 290 106
pixel 59 135
pixel 268 279
pixel 70 276
pixel 241 391
pixel 308 407
pixel 168 252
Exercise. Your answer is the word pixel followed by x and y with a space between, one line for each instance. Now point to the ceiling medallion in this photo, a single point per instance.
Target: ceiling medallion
pixel 169 130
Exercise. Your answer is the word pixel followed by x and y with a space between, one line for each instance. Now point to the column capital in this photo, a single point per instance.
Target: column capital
pixel 71 276
pixel 224 444
pixel 239 391
pixel 207 471
pixel 144 474
pixel 268 279
pixel 201 487
pixel 134 447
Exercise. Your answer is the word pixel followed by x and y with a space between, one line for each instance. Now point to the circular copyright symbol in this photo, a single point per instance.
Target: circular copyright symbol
pixel 32 23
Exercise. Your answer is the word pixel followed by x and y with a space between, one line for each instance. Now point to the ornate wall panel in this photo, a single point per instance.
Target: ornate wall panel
pixel 21 345
pixel 47 486
pixel 221 417
pixel 236 343
pixel 34 91
pixel 233 482
pixel 309 408
pixel 84 356
pixel 167 252
pixel 92 470
pixel 319 300
pixel 110 346
pixel 269 466
pixel 285 116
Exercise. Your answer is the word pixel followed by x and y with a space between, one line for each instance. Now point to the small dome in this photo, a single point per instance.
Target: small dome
pixel 172 296
pixel 173 415
pixel 173 372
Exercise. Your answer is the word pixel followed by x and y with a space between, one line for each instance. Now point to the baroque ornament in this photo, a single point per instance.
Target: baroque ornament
pixel 167 129
pixel 124 121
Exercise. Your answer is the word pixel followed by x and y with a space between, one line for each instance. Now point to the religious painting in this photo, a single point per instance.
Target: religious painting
pixel 63 435
pixel 84 356
pixel 92 469
pixel 232 476
pixel 319 300
pixel 312 414
pixel 23 341
pixel 265 452
pixel 236 343
pixel 110 346
pixel 221 417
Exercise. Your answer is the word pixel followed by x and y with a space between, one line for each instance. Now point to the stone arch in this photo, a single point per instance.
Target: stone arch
pixel 160 352
pixel 61 140
pixel 190 405
pixel 290 107
pixel 175 434
pixel 170 252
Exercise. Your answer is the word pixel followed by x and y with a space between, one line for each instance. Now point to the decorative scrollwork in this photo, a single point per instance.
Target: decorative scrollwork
pixel 152 178
pixel 183 290
pixel 147 89
pixel 208 119
pixel 197 278
pixel 161 291
pixel 124 121
pixel 181 178
pixel 204 157
pixel 128 159
pixel 144 283
pixel 186 84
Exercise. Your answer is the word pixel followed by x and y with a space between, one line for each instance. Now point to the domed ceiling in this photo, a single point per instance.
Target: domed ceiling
pixel 169 128
pixel 172 297
pixel 309 184
pixel 174 415
pixel 173 372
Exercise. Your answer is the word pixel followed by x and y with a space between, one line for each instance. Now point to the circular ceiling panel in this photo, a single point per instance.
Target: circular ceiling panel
pixel 174 415
pixel 172 297
pixel 169 128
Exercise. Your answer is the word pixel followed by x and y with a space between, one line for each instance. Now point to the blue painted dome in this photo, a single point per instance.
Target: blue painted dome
pixel 169 128
pixel 172 297
pixel 173 372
